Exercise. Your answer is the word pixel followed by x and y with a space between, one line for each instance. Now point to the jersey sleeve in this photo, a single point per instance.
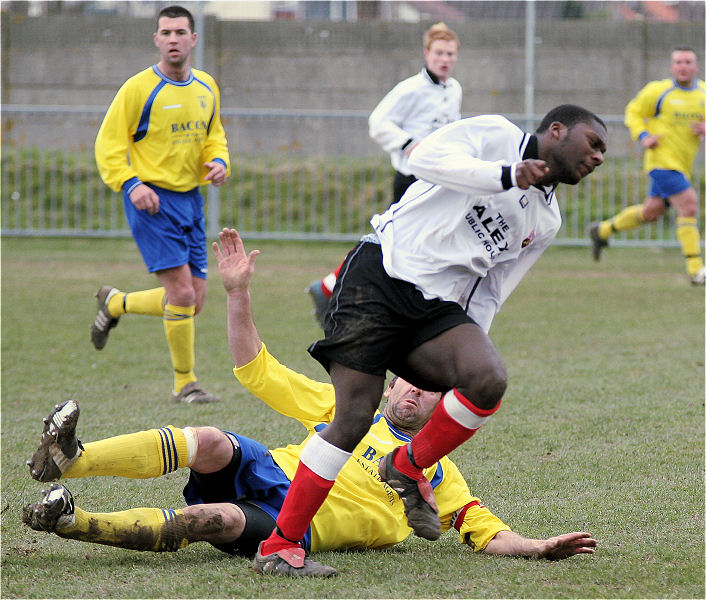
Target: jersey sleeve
pixel 641 108
pixel 288 392
pixel 453 156
pixel 216 146
pixel 476 525
pixel 111 146
pixel 465 513
pixel 385 122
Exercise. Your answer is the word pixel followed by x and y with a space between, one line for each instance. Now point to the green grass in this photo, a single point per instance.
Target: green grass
pixel 601 429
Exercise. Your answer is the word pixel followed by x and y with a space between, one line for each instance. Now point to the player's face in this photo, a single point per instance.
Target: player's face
pixel 407 406
pixel 441 57
pixel 175 40
pixel 684 67
pixel 579 151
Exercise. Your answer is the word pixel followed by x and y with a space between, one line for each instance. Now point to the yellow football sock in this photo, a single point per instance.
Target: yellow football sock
pixel 116 304
pixel 179 329
pixel 146 302
pixel 138 455
pixel 688 236
pixel 626 219
pixel 154 529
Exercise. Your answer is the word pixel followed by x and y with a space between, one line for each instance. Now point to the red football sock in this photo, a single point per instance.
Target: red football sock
pixel 443 433
pixel 275 543
pixel 306 494
pixel 402 463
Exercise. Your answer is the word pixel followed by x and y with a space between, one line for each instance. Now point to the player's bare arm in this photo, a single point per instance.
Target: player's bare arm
pixel 145 198
pixel 558 547
pixel 236 269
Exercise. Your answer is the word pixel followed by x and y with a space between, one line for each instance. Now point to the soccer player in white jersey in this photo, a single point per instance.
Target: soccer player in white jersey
pixel 236 485
pixel 418 296
pixel 160 140
pixel 408 113
pixel 419 105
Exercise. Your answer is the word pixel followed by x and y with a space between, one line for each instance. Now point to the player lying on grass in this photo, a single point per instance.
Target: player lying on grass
pixel 236 486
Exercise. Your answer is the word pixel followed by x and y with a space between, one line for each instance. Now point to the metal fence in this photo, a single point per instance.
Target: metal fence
pixel 296 174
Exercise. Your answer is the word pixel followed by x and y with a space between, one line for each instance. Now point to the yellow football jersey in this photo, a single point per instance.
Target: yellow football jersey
pixel 162 131
pixel 361 511
pixel 665 109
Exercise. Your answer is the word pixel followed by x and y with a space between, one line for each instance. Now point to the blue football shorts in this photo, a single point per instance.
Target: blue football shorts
pixel 255 479
pixel 666 183
pixel 175 235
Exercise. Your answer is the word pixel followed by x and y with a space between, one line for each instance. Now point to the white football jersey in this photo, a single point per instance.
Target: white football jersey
pixel 412 110
pixel 458 234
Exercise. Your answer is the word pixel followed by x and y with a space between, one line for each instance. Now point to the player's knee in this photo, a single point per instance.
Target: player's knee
pixel 233 521
pixel 215 523
pixel 182 295
pixel 486 386
pixel 650 216
pixel 653 210
pixel 345 432
pixel 214 450
pixel 688 210
pixel 200 300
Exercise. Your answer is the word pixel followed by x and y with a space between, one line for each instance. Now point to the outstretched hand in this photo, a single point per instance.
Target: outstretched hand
pixel 235 266
pixel 566 545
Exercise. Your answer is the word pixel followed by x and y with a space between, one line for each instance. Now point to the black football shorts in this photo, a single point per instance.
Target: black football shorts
pixel 374 320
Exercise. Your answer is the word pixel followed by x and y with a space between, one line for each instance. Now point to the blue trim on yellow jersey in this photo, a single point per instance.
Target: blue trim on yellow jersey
pixel 144 123
pixel 131 184
pixel 405 437
pixel 693 86
pixel 438 476
pixel 658 106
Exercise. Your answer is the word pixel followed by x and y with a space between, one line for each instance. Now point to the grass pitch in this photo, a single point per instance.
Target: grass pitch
pixel 601 429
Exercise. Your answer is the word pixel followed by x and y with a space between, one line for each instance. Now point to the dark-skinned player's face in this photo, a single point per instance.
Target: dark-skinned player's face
pixel 578 152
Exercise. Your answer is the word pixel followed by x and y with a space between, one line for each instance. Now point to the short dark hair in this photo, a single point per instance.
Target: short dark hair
pixel 174 12
pixel 569 115
pixel 683 48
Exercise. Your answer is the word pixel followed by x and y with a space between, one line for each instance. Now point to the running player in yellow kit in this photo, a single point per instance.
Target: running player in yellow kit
pixel 667 117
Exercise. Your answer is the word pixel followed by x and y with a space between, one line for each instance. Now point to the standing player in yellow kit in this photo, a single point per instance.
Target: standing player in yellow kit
pixel 667 117
pixel 160 140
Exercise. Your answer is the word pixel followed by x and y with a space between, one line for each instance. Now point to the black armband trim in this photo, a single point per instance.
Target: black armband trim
pixel 407 143
pixel 506 178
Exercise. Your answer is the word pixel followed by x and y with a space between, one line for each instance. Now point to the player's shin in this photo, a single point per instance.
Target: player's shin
pixel 151 529
pixel 454 421
pixel 138 455
pixel 320 463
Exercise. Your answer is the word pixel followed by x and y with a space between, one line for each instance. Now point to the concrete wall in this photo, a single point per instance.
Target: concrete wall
pixel 83 59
